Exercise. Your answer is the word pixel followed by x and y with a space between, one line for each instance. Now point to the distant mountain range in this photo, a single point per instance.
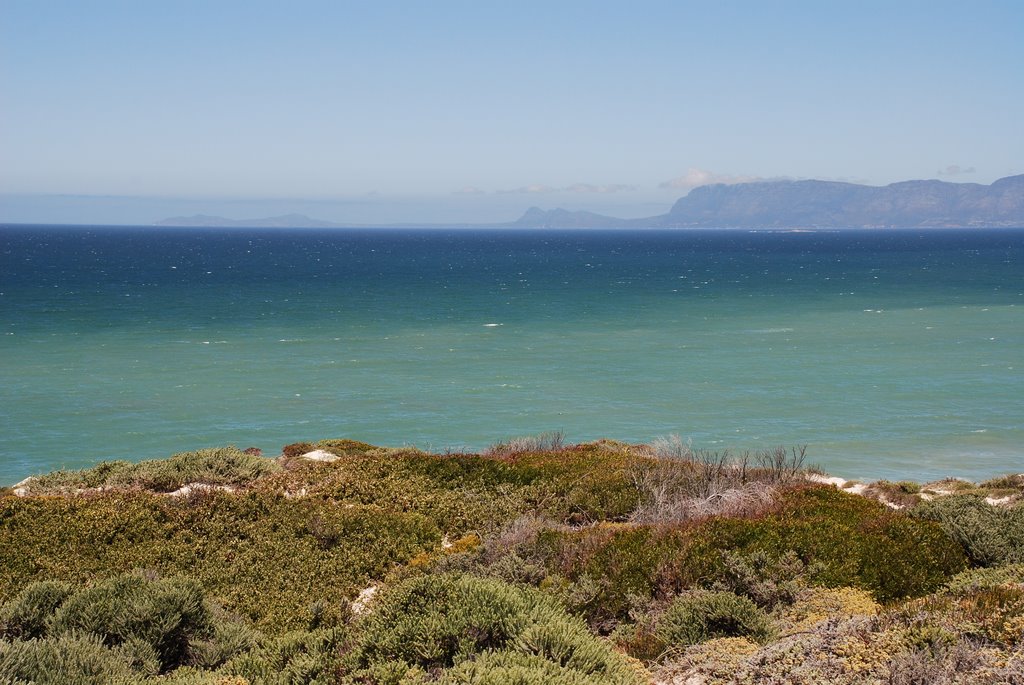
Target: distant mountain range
pixel 768 204
pixel 821 204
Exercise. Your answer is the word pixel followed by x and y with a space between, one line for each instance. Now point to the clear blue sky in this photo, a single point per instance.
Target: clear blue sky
pixel 473 111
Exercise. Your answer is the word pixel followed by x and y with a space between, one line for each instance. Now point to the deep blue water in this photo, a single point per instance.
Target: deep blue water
pixel 889 353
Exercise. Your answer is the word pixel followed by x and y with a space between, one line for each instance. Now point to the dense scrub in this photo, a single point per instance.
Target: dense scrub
pixel 845 540
pixel 535 562
pixel 262 555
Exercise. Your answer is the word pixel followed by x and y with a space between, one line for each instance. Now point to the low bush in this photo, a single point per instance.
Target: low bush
pixel 985 578
pixel 852 541
pixel 989 535
pixel 583 483
pixel 598 572
pixel 518 668
pixel 130 629
pixel 65 660
pixel 942 664
pixel 700 616
pixel 124 629
pixel 214 466
pixel 992 612
pixel 1013 481
pixel 406 483
pixel 768 582
pixel 465 493
pixel 163 615
pixel 902 494
pixel 295 658
pixel 27 615
pixel 69 482
pixel 157 624
pixel 440 621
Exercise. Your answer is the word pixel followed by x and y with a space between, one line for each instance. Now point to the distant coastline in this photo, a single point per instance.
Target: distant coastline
pixel 757 205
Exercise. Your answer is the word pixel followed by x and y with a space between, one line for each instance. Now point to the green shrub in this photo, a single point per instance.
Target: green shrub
pixel 582 483
pixel 229 638
pixel 767 581
pixel 1014 481
pixel 213 466
pixel 152 627
pixel 103 474
pixel 850 541
pixel 460 494
pixel 517 668
pixel 295 658
pixel 985 579
pixel 66 660
pixel 26 616
pixel 598 571
pixel 345 447
pixel 991 612
pixel 697 617
pixel 165 615
pixel 990 535
pixel 436 622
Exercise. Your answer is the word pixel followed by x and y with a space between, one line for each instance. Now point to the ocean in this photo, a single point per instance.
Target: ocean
pixel 888 353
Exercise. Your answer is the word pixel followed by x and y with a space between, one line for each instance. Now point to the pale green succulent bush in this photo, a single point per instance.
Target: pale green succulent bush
pixel 990 535
pixel 700 616
pixel 76 659
pixel 441 621
pixel 226 466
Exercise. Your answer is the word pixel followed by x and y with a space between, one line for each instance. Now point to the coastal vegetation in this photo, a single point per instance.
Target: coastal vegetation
pixel 535 561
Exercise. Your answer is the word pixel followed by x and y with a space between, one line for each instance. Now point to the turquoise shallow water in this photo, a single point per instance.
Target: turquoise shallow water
pixel 894 354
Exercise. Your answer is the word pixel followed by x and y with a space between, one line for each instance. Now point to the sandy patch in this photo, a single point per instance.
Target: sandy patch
pixel 20 488
pixel 190 488
pixel 320 455
pixel 361 604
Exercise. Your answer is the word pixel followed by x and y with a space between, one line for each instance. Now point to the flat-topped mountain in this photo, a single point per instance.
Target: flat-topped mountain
pixel 828 204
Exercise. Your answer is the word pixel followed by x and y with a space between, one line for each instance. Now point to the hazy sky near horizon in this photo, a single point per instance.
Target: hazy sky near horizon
pixel 470 111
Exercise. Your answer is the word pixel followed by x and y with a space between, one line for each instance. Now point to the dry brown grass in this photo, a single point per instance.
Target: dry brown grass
pixel 678 483
pixel 551 441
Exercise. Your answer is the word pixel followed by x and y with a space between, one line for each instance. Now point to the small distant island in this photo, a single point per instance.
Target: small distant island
pixel 762 204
